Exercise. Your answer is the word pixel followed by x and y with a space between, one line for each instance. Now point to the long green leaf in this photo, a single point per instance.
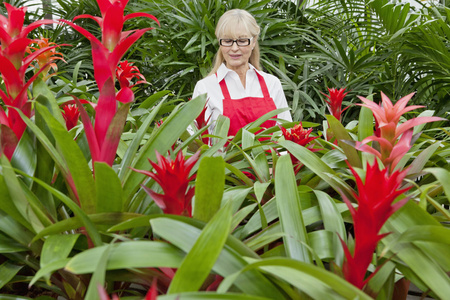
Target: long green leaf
pixel 134 145
pixel 108 189
pixel 93 233
pixel 76 162
pixel 209 186
pixel 199 261
pixel 210 296
pixel 125 255
pixel 442 175
pixel 316 282
pixel 315 164
pixel 7 272
pixel 341 134
pixel 19 197
pixel 163 139
pixel 230 260
pixel 290 211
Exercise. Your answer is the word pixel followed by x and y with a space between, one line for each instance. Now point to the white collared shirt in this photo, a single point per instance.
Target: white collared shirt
pixel 210 86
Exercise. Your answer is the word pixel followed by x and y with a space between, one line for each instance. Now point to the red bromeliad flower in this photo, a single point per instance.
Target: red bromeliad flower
pixel 334 102
pixel 13 36
pixel 125 73
pixel 13 66
pixel 173 177
pixel 71 115
pixel 375 205
pixel 300 136
pixel 46 59
pixel 106 55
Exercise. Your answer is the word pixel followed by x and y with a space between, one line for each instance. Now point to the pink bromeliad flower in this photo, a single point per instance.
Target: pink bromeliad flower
pixel 103 138
pixel 388 116
pixel 394 138
pixel 334 102
pixel 375 205
pixel 173 177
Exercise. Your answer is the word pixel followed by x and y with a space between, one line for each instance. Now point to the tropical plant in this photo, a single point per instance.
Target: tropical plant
pixel 146 203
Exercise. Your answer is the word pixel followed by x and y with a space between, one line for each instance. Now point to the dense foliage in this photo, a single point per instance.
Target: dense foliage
pixel 104 191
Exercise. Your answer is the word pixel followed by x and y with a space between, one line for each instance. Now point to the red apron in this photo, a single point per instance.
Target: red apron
pixel 246 110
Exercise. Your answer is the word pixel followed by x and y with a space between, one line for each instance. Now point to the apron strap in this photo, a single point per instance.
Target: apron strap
pixel 262 83
pixel 224 88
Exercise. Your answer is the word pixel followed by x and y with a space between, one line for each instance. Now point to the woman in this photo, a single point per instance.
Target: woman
pixel 236 86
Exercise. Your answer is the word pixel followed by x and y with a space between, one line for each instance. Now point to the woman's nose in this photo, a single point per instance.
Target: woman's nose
pixel 234 47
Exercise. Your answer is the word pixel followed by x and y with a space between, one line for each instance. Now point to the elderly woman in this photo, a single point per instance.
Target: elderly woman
pixel 236 86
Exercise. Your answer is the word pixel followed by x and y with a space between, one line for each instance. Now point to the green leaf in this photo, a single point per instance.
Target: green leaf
pixel 57 247
pixel 98 277
pixel 310 160
pixel 76 222
pixel 365 123
pixel 162 140
pixel 341 134
pixel 45 96
pixel 332 218
pixel 7 272
pixel 150 101
pixel 420 257
pixel 135 144
pixel 230 261
pixel 108 189
pixel 21 201
pixel 290 211
pixel 209 186
pixel 8 245
pixel 8 205
pixel 76 162
pixel 209 296
pixel 442 175
pixel 201 258
pixel 315 281
pixel 24 157
pixel 49 269
pixel 260 188
pixel 162 255
pixel 93 233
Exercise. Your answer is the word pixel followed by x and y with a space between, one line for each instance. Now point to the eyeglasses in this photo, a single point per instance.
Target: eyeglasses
pixel 239 42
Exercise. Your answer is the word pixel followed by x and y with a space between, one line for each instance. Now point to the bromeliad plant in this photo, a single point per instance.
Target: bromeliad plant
pixel 375 199
pixel 173 177
pixel 13 67
pixel 104 136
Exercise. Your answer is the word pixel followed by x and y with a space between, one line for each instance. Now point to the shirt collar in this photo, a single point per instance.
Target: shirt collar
pixel 223 71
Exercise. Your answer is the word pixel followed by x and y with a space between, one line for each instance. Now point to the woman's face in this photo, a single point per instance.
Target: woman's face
pixel 237 57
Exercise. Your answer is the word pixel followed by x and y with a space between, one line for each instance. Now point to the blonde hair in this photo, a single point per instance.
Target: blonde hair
pixel 229 23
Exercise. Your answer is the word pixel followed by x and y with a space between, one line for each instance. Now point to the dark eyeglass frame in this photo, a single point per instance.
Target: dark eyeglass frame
pixel 237 41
